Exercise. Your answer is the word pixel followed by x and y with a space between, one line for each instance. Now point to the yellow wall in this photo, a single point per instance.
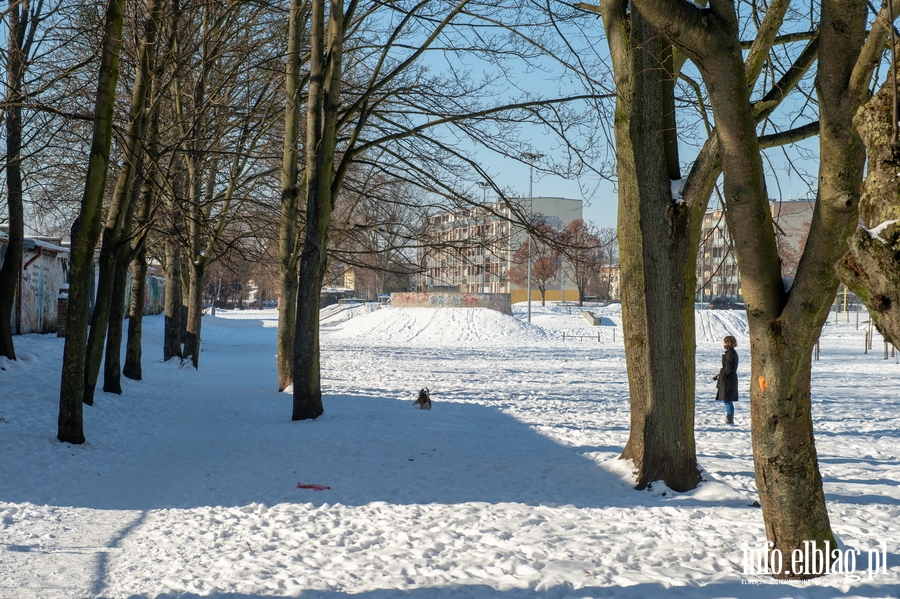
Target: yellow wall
pixel 553 295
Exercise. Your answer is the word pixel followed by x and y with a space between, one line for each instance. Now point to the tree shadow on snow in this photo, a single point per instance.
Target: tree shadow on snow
pixel 366 449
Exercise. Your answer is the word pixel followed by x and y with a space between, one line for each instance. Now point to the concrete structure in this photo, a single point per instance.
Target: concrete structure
pixel 501 302
pixel 472 249
pixel 717 271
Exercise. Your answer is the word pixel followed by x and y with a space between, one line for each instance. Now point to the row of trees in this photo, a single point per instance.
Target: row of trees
pixel 214 156
pixel 214 162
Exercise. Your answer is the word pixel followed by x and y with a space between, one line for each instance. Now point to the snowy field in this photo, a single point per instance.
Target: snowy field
pixel 508 488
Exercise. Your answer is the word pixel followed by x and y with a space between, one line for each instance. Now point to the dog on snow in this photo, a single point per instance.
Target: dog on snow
pixel 424 400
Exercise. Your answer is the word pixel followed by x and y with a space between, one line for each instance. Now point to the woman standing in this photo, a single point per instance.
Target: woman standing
pixel 726 380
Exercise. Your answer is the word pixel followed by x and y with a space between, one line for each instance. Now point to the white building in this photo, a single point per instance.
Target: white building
pixel 717 271
pixel 471 249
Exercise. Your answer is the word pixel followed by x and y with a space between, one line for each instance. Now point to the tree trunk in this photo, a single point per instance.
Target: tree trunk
pixel 173 325
pixel 290 191
pixel 116 232
pixel 194 314
pixel 787 471
pixel 198 260
pixel 132 368
pixel 657 257
pixel 112 380
pixel 133 350
pixel 100 314
pixel 11 269
pixel 783 326
pixel 322 188
pixel 307 377
pixel 871 267
pixel 287 322
pixel 86 232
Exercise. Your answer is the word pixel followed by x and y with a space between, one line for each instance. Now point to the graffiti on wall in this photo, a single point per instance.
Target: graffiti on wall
pixel 154 294
pixel 500 302
pixel 45 269
pixel 39 284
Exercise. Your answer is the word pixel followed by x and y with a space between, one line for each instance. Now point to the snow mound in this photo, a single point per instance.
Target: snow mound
pixel 337 313
pixel 436 326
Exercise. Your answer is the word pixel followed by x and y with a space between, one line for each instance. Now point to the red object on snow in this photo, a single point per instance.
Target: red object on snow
pixel 314 487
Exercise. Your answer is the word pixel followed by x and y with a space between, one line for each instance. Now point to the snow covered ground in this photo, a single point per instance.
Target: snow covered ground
pixel 508 488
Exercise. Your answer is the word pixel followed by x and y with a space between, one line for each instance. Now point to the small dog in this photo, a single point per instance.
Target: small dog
pixel 424 400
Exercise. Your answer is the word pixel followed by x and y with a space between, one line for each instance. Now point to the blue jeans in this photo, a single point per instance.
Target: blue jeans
pixel 729 407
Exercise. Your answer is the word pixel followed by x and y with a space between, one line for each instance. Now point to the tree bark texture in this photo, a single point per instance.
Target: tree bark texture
pixel 198 260
pixel 785 459
pixel 112 380
pixel 290 192
pixel 871 266
pixel 100 314
pixel 287 323
pixel 133 353
pixel 321 190
pixel 657 254
pixel 172 339
pixel 11 269
pixel 86 232
pixel 194 313
pixel 112 362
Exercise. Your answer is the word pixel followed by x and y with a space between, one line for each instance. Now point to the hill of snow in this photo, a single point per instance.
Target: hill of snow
pixel 473 326
pixel 436 326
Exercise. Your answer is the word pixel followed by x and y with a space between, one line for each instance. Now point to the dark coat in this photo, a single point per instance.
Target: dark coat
pixel 726 382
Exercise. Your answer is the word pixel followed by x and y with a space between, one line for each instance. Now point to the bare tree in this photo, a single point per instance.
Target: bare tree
pixel 584 255
pixel 326 167
pixel 784 324
pixel 86 232
pixel 115 250
pixel 225 108
pixel 659 224
pixel 372 102
pixel 289 253
pixel 542 255
pixel 31 97
pixel 16 63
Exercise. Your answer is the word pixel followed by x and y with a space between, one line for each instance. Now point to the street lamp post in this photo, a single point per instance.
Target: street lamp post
pixel 484 185
pixel 530 157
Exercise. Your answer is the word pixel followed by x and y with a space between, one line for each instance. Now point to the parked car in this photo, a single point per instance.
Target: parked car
pixel 720 303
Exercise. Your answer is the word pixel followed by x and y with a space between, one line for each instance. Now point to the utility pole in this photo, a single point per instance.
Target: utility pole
pixel 484 185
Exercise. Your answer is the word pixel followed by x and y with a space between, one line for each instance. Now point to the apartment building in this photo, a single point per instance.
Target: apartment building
pixel 717 271
pixel 471 250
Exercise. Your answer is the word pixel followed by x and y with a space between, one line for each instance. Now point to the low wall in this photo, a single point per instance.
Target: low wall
pixel 500 302
pixel 552 295
pixel 590 317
